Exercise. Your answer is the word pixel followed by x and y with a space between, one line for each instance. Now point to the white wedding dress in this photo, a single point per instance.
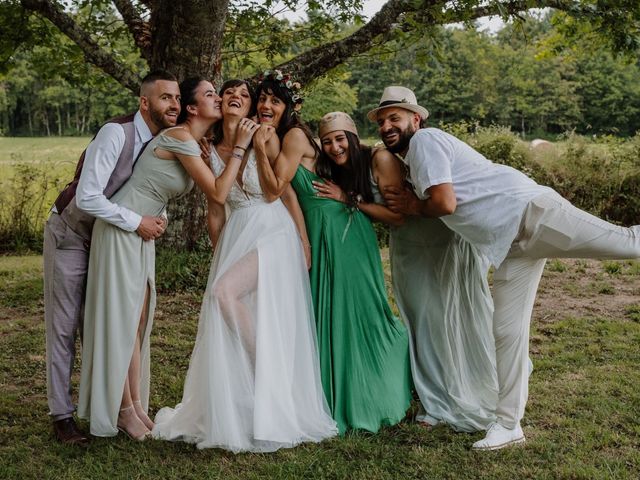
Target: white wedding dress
pixel 254 380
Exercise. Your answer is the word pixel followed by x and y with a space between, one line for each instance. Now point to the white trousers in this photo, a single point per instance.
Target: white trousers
pixel 551 227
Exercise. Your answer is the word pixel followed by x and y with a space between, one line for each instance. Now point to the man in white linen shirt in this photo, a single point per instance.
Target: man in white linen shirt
pixel 515 222
pixel 103 168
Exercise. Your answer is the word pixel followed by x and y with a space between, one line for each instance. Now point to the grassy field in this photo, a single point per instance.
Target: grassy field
pixel 581 422
pixel 51 160
pixel 600 175
pixel 32 173
pixel 51 150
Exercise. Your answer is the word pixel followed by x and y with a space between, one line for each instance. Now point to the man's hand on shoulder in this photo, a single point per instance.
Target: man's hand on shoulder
pixel 401 200
pixel 151 228
pixel 440 202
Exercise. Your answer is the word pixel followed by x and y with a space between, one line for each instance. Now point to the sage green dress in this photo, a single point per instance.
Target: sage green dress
pixel 363 347
pixel 121 265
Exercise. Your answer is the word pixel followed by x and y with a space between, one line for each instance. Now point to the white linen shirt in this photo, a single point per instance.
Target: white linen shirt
pixel 491 198
pixel 99 162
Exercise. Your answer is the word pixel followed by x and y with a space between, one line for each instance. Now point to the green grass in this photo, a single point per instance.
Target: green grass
pixel 55 150
pixel 581 420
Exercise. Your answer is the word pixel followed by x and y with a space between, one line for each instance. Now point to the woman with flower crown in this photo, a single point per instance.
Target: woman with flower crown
pixel 254 380
pixel 364 348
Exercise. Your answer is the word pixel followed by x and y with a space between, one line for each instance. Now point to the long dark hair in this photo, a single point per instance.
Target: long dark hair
pixel 290 118
pixel 188 95
pixel 218 131
pixel 354 178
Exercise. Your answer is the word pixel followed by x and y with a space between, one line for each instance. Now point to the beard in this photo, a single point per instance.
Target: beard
pixel 159 119
pixel 404 137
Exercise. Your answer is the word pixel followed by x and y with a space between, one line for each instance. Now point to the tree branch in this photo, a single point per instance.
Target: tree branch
pixel 139 28
pixel 516 6
pixel 92 51
pixel 318 60
pixel 323 58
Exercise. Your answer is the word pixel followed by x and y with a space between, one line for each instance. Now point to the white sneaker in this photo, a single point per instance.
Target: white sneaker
pixel 499 437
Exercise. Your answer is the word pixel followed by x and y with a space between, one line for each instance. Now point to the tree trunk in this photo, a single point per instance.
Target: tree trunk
pixel 30 120
pixel 188 36
pixel 202 23
pixel 45 118
pixel 59 120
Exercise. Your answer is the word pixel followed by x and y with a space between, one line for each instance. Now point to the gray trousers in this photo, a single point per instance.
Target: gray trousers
pixel 551 227
pixel 66 256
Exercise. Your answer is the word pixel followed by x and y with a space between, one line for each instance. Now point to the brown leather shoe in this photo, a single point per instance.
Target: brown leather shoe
pixel 66 431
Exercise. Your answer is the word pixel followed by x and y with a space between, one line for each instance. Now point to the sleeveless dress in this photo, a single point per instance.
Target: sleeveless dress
pixel 441 289
pixel 121 265
pixel 363 348
pixel 254 381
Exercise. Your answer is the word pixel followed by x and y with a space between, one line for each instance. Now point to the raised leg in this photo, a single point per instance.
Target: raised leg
pixel 554 228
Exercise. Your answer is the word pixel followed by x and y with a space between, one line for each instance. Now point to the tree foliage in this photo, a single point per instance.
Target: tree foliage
pixel 125 38
pixel 199 36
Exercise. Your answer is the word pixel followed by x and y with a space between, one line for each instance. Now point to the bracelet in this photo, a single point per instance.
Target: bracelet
pixel 241 148
pixel 237 155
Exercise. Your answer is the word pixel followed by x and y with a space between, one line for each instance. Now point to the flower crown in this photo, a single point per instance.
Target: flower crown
pixel 284 80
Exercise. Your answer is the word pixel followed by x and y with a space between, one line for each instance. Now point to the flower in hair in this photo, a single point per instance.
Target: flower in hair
pixel 285 81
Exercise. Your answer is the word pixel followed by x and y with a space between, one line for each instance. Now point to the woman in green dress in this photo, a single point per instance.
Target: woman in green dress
pixel 364 357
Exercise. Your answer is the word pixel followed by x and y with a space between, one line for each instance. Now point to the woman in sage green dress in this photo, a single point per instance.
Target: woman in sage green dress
pixel 120 296
pixel 364 357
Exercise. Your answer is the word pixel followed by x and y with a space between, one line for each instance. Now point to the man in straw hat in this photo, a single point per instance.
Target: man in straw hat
pixel 514 222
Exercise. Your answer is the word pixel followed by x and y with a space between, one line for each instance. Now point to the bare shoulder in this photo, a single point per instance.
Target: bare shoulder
pixel 383 159
pixel 295 135
pixel 296 139
pixel 381 155
pixel 179 133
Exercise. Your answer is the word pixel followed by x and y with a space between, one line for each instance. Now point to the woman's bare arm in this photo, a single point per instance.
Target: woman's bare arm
pixel 215 189
pixel 216 218
pixel 275 179
pixel 388 172
pixel 290 200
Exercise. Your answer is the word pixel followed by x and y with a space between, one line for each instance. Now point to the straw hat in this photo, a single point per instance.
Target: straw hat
pixel 334 121
pixel 399 97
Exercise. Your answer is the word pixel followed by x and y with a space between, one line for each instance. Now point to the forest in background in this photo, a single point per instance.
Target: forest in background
pixel 524 77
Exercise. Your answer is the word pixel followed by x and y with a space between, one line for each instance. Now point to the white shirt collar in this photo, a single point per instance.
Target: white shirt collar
pixel 142 129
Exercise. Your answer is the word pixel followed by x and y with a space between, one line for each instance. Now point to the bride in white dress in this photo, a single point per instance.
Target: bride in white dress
pixel 254 381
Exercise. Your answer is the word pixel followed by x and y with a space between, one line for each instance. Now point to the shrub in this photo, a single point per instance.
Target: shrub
pixel 25 199
pixel 182 270
pixel 556 265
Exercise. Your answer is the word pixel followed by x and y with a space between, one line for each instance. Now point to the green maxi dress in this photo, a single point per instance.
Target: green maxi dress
pixel 363 347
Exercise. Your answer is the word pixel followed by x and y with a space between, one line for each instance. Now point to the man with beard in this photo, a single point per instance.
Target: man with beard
pixel 514 223
pixel 103 168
